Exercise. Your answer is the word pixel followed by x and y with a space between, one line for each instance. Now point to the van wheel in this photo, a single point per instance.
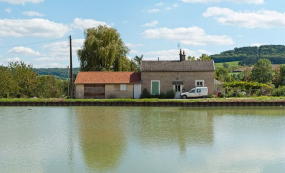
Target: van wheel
pixel 184 97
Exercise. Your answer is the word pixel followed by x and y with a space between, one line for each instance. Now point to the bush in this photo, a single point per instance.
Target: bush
pixel 170 94
pixel 280 91
pixel 145 94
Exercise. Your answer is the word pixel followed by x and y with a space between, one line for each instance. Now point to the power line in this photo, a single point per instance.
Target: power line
pixel 32 43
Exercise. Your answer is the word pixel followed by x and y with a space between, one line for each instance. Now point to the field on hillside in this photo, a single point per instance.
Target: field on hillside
pixel 231 64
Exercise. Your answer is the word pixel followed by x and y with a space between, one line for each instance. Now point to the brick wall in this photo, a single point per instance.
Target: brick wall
pixel 166 80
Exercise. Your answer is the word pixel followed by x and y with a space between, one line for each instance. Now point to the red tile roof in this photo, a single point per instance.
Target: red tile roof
pixel 108 77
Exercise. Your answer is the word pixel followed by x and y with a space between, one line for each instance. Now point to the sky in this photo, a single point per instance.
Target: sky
pixel 36 31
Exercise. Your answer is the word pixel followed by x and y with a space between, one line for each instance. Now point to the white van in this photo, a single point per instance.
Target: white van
pixel 195 92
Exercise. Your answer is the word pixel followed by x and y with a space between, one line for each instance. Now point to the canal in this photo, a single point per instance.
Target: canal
pixel 142 139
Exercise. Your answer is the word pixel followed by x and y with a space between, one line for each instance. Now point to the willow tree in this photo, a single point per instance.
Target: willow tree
pixel 103 50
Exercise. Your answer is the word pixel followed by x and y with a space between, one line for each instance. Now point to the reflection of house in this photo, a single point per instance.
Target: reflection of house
pixel 101 85
pixel 162 76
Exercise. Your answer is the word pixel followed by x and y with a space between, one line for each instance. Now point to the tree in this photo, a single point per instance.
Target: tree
pixel 279 76
pixel 205 57
pixel 25 77
pixel 226 65
pixel 262 71
pixel 7 83
pixel 191 58
pixel 133 66
pixel 247 75
pixel 103 50
pixel 138 60
pixel 222 74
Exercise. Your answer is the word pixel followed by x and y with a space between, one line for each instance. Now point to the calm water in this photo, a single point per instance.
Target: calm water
pixel 142 140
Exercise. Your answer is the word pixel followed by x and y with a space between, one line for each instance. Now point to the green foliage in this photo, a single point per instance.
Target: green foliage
pixel 103 50
pixel 250 55
pixel 138 60
pixel 226 65
pixel 145 94
pixel 280 91
pixel 246 85
pixel 262 71
pixel 222 74
pixel 170 94
pixel 60 72
pixel 205 57
pixel 19 79
pixel 191 58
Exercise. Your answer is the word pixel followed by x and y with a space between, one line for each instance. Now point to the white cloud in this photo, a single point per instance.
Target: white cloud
pixel 205 52
pixel 59 51
pixel 168 8
pixel 234 1
pixel 33 13
pixel 125 21
pixel 50 65
pixel 134 45
pixel 159 4
pixel 23 51
pixel 259 19
pixel 256 44
pixel 175 5
pixel 12 59
pixel 171 54
pixel 32 27
pixel 21 1
pixel 155 10
pixel 151 24
pixel 189 36
pixel 8 10
pixel 83 24
pixel 134 51
pixel 240 36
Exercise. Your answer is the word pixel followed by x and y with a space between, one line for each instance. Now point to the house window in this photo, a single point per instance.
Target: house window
pixel 123 87
pixel 198 90
pixel 120 87
pixel 177 88
pixel 155 87
pixel 199 83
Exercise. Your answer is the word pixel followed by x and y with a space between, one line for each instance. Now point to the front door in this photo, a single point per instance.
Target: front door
pixel 177 89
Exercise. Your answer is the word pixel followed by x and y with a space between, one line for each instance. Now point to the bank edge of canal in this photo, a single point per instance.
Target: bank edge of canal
pixel 140 104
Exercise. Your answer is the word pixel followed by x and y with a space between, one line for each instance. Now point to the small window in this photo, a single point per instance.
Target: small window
pixel 192 91
pixel 199 83
pixel 123 87
pixel 198 90
pixel 177 88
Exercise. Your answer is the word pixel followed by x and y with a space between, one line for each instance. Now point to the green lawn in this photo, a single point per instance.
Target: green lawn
pixel 232 64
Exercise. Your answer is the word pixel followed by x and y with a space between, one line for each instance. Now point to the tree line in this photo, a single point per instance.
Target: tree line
pixel 20 80
pixel 250 55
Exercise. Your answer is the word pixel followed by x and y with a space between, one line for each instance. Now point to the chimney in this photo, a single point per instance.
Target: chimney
pixel 183 56
pixel 180 55
pixel 158 59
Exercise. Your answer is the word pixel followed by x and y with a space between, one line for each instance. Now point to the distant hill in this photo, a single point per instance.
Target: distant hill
pixel 60 72
pixel 250 55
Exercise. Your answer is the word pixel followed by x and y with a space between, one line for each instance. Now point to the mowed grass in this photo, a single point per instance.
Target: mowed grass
pixel 231 64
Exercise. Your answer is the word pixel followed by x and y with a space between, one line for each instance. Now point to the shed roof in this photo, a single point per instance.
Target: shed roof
pixel 187 66
pixel 108 77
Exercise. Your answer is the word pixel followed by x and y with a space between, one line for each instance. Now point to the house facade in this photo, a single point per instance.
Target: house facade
pixel 183 75
pixel 101 85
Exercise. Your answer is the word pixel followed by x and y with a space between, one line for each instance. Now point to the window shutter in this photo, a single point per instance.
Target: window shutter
pixel 155 88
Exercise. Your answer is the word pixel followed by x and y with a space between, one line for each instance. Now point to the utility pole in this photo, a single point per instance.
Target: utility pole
pixel 71 74
pixel 68 93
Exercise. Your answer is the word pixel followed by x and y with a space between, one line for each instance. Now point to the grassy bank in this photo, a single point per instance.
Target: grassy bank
pixel 245 99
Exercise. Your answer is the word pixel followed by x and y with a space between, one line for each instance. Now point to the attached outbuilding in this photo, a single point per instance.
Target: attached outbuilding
pixel 100 85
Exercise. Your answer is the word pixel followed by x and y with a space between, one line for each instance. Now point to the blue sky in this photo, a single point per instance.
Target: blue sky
pixel 151 28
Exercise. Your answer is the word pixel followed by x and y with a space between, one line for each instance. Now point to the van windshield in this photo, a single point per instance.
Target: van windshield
pixel 192 91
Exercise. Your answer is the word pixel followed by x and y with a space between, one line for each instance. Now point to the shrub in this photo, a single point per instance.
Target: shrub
pixel 170 94
pixel 280 91
pixel 145 94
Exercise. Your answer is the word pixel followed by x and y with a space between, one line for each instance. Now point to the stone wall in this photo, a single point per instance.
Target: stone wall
pixel 110 92
pixel 166 80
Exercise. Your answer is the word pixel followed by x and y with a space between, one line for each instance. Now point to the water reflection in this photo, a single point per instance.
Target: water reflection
pixel 102 137
pixel 176 126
